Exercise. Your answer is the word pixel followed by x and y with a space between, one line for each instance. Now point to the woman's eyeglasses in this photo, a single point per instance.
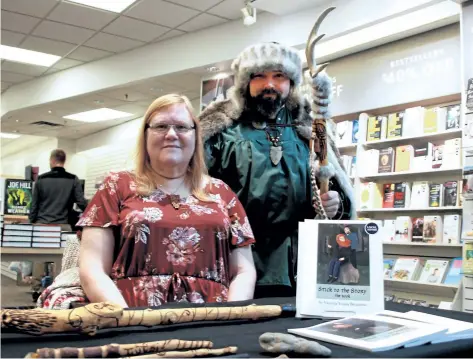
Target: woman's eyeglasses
pixel 162 128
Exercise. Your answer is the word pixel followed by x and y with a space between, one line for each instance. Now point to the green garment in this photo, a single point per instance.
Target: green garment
pixel 275 198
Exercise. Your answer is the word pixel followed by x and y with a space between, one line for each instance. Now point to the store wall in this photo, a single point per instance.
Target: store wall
pixel 13 165
pixel 421 67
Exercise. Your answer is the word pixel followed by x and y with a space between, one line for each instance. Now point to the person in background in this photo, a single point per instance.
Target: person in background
pixel 257 142
pixel 166 232
pixel 55 193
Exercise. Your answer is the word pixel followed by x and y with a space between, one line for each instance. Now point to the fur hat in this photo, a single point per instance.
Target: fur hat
pixel 266 57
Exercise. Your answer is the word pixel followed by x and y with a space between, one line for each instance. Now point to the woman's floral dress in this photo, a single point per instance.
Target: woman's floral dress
pixel 163 254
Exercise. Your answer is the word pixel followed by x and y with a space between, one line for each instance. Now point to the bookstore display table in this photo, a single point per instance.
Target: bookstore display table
pixel 243 334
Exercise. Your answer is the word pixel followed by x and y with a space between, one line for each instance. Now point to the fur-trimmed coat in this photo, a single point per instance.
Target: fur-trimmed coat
pixel 222 114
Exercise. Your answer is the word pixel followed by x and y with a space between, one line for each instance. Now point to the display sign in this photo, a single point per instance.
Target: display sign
pixel 18 197
pixel 340 268
pixel 215 89
pixel 420 67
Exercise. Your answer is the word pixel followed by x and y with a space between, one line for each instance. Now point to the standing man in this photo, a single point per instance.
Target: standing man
pixel 257 142
pixel 55 193
pixel 353 237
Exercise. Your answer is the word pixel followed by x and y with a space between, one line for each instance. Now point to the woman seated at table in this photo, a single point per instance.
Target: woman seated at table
pixel 167 231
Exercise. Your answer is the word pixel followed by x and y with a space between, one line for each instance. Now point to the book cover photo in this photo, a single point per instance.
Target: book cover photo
pixel 347 277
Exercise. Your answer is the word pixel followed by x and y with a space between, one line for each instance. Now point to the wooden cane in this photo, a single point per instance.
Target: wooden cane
pixel 117 350
pixel 188 353
pixel 92 317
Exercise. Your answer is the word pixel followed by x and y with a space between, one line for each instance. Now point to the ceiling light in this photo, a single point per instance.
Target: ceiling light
pixel 212 69
pixel 27 56
pixel 386 29
pixel 249 15
pixel 110 5
pixel 8 135
pixel 100 114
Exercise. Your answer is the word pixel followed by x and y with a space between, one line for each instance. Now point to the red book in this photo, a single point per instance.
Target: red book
pixel 388 195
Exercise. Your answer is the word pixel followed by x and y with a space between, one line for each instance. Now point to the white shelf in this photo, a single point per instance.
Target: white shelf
pixel 441 290
pixel 347 148
pixel 388 175
pixel 422 244
pixel 444 135
pixel 440 209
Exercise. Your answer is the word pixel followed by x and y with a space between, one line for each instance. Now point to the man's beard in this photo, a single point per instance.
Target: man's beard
pixel 266 106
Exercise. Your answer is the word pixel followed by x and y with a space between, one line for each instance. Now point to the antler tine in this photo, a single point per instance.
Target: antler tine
pixel 320 68
pixel 313 39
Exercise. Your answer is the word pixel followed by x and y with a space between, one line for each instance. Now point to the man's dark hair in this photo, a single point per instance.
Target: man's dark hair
pixel 58 156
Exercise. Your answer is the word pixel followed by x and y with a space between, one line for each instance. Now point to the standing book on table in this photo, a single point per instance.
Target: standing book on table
pixel 340 268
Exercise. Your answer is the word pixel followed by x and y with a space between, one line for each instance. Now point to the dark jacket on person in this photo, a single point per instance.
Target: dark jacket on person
pixel 54 195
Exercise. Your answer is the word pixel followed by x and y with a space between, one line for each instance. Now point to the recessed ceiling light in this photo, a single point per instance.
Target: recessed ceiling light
pixel 50 111
pixel 8 135
pixel 110 5
pixel 27 56
pixel 100 114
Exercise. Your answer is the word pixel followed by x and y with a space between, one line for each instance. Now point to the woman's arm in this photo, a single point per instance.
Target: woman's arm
pixel 242 286
pixel 95 265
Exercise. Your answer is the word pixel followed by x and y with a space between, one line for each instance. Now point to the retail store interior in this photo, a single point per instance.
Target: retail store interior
pixel 80 75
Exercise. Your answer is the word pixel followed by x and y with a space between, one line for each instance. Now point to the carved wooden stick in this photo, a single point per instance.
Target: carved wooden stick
pixel 92 317
pixel 117 350
pixel 188 353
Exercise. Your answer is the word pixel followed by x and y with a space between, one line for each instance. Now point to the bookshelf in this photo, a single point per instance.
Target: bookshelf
pixel 410 154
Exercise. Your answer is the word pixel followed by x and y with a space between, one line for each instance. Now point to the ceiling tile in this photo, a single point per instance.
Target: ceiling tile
pixel 231 9
pixel 63 32
pixel 125 94
pixel 82 16
pixel 12 77
pixel 66 63
pixel 198 5
pixel 11 38
pixel 48 46
pixel 86 54
pixel 161 12
pixel 5 85
pixel 202 21
pixel 170 34
pixel 24 69
pixel 112 43
pixel 17 22
pixel 29 7
pixel 98 100
pixel 135 29
pixel 51 71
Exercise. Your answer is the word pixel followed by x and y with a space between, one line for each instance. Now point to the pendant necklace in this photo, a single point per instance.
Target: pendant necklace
pixel 173 197
pixel 275 152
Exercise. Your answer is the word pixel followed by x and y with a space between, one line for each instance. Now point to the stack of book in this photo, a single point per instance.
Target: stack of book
pixel 46 236
pixel 17 235
pixel 388 330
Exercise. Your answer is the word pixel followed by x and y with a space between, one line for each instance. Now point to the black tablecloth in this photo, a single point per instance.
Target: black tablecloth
pixel 243 334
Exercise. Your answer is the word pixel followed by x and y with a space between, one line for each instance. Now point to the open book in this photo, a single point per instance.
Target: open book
pixel 372 332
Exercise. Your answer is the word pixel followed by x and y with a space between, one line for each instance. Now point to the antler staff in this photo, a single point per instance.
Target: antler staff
pixel 318 141
pixel 92 317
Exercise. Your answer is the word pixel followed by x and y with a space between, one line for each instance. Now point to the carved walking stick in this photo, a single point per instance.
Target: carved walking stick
pixel 318 140
pixel 92 317
pixel 117 350
pixel 188 353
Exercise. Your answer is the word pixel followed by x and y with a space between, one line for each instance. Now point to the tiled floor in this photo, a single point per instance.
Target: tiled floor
pixel 13 295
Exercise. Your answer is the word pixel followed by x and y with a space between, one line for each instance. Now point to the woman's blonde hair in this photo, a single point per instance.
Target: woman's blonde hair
pixel 197 171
